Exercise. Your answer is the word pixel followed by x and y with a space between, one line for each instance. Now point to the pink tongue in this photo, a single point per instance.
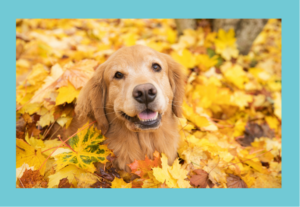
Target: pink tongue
pixel 147 115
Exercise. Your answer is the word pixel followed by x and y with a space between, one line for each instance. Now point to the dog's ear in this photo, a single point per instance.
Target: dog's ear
pixel 176 78
pixel 91 100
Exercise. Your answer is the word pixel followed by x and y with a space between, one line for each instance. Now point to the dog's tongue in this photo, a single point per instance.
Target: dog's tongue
pixel 147 114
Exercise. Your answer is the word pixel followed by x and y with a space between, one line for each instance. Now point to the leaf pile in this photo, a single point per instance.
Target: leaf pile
pixel 230 133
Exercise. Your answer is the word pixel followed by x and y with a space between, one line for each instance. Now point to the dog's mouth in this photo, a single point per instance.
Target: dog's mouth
pixel 147 119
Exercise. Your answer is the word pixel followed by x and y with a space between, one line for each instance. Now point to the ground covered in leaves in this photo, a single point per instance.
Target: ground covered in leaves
pixel 230 133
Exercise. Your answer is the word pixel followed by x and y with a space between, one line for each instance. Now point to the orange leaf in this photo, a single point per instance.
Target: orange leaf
pixel 78 74
pixel 141 167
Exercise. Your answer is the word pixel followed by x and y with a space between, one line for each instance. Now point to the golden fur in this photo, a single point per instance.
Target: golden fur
pixel 103 97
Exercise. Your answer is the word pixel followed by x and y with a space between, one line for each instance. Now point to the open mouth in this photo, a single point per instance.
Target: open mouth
pixel 146 119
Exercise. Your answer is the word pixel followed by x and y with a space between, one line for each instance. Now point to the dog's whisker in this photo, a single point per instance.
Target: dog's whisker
pixel 103 108
pixel 112 120
pixel 106 114
pixel 175 105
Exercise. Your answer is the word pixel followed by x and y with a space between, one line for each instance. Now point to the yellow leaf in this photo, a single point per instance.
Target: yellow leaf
pixel 27 154
pixel 163 175
pixel 68 172
pixel 277 100
pixel 49 144
pixel 194 155
pixel 272 122
pixel 151 182
pixel 225 44
pixel 87 150
pixel 239 128
pixel 205 62
pixel 173 176
pixel 179 174
pixel 30 108
pixel 130 39
pixel 66 94
pixel 46 119
pixel 85 180
pixel 185 58
pixel 188 112
pixel 36 143
pixel 216 173
pixel 236 75
pixel 56 72
pixel 120 183
pixel 171 35
pixel 240 99
pixel 38 73
pixel 265 181
pixel 62 121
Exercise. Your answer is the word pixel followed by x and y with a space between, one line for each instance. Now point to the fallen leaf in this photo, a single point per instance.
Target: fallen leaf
pixel 64 183
pixel 234 181
pixel 200 179
pixel 86 150
pixel 119 183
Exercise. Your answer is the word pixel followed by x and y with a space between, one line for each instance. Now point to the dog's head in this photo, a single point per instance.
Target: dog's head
pixel 136 85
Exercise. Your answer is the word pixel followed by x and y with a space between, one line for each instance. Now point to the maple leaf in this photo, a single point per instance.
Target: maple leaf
pixel 185 58
pixel 36 143
pixel 51 144
pixel 205 62
pixel 46 117
pixel 68 172
pixel 216 173
pixel 86 150
pixel 29 155
pixel 261 180
pixel 20 171
pixel 85 180
pixel 236 75
pixel 225 44
pixel 173 176
pixel 240 99
pixel 151 182
pixel 193 154
pixel 77 74
pixel 200 179
pixel 141 167
pixel 66 94
pixel 49 85
pixel 32 179
pixel 120 183
pixel 200 121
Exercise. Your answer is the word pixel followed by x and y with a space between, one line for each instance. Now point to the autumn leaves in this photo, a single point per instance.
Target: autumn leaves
pixel 228 98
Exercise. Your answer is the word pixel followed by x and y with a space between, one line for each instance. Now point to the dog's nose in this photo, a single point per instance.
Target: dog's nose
pixel 144 93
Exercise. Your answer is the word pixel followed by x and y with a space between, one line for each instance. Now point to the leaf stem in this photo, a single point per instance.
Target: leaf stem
pixel 64 143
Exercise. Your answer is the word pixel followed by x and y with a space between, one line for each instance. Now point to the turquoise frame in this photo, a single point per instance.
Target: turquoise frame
pixel 287 10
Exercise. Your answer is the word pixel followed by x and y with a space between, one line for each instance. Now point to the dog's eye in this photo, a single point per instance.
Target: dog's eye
pixel 119 75
pixel 156 67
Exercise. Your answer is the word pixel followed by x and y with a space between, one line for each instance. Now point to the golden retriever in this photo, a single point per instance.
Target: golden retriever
pixel 134 97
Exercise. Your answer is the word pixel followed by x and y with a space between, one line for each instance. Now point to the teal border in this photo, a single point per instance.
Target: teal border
pixel 287 10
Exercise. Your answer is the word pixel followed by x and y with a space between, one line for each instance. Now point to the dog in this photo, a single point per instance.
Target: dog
pixel 135 98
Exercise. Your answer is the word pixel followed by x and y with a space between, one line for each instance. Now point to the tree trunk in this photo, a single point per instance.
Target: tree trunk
pixel 183 24
pixel 246 30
